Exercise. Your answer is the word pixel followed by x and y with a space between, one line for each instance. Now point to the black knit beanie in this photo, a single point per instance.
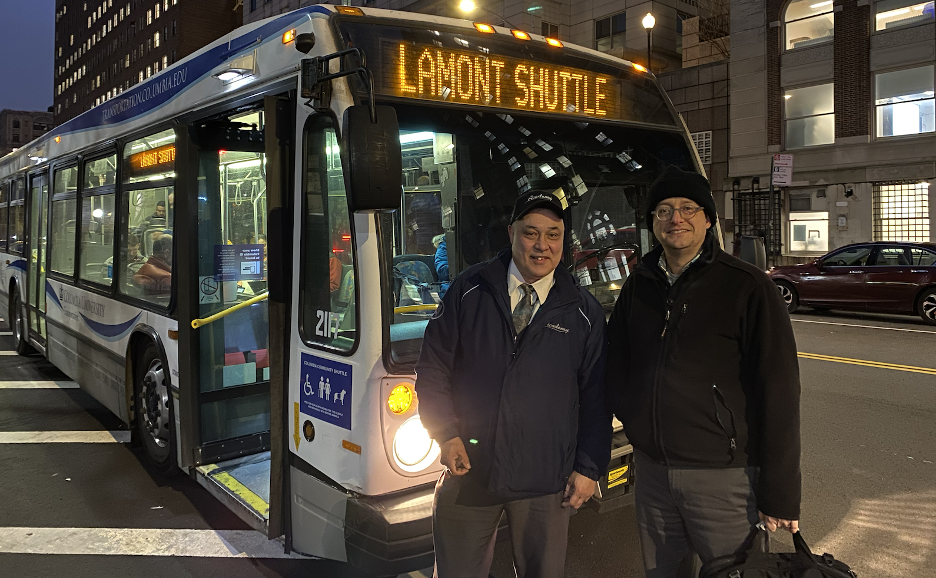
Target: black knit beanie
pixel 675 182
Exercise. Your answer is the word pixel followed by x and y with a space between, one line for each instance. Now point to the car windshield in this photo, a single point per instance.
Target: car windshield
pixel 848 257
pixel 461 175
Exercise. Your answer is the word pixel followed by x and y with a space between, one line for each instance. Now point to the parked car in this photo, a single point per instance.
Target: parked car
pixel 886 276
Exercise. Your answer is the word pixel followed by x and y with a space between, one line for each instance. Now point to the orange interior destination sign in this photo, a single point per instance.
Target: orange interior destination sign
pixel 153 161
pixel 461 76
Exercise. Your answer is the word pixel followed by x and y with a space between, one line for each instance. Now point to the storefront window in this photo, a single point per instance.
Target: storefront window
pixel 809 232
pixel 808 23
pixel 896 13
pixel 809 114
pixel 904 100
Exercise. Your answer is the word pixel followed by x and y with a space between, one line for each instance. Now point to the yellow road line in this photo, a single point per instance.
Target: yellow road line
pixel 866 363
pixel 258 504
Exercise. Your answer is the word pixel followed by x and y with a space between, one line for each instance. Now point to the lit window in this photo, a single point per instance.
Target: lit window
pixel 149 71
pixel 809 116
pixel 157 10
pixel 156 40
pixel 610 32
pixel 900 211
pixel 71 41
pixel 904 102
pixel 809 22
pixel 141 76
pixel 809 231
pixel 89 22
pixel 165 61
pixel 896 13
pixel 149 16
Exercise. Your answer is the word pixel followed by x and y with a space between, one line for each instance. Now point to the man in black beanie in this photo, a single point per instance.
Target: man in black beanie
pixel 702 372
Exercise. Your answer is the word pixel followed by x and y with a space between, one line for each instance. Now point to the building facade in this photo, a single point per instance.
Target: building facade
pixel 18 127
pixel 103 47
pixel 846 88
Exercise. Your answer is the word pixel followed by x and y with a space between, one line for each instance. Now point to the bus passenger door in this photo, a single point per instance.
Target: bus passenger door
pixel 36 240
pixel 225 294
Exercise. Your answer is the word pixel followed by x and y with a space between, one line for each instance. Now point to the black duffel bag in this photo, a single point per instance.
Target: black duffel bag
pixel 755 560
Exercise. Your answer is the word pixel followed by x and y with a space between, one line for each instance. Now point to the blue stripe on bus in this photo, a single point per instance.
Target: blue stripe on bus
pixel 18 264
pixel 106 331
pixel 177 79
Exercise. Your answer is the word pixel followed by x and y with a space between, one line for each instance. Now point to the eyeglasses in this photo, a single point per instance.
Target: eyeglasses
pixel 665 213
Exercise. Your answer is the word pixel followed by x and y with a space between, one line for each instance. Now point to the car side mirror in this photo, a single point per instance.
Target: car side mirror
pixel 372 158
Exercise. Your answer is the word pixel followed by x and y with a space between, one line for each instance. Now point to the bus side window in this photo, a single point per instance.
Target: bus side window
pixel 328 283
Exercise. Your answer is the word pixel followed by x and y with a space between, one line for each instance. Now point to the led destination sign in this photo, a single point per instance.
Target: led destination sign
pixel 433 73
pixel 152 162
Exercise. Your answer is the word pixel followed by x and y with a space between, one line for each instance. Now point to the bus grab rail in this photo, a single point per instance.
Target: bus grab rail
pixel 413 308
pixel 196 323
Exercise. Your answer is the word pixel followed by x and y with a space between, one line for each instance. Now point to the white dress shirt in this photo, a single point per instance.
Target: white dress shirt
pixel 540 288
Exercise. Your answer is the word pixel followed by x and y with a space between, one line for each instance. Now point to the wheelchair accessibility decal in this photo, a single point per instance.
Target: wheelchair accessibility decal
pixel 326 390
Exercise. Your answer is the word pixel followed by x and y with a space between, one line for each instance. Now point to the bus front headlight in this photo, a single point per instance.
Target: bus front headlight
pixel 413 449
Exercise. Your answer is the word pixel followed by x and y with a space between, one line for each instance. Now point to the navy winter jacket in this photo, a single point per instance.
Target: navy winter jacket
pixel 529 409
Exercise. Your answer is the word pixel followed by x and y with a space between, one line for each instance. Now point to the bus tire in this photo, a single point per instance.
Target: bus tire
pixel 153 409
pixel 18 325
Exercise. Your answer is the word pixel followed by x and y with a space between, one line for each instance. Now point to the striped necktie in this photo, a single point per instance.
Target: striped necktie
pixel 524 310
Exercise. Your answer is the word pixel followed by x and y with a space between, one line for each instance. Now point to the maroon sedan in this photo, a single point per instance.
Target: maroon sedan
pixel 885 276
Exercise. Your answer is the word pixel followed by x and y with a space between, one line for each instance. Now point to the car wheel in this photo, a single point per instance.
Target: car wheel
pixel 926 306
pixel 154 419
pixel 18 325
pixel 788 294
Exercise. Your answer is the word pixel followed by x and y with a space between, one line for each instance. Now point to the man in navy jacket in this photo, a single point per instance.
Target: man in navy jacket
pixel 510 384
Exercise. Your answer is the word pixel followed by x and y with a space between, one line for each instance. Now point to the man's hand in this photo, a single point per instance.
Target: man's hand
pixel 455 457
pixel 578 490
pixel 791 526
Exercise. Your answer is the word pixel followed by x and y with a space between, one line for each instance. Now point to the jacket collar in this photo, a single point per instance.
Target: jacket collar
pixel 710 251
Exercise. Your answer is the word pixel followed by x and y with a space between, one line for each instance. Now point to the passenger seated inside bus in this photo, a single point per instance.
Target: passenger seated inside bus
pixel 155 276
pixel 134 260
pixel 156 220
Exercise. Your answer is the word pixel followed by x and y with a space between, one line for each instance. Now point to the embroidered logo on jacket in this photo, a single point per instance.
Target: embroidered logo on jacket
pixel 556 327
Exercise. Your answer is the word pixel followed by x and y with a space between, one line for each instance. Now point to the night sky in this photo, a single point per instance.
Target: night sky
pixel 27 39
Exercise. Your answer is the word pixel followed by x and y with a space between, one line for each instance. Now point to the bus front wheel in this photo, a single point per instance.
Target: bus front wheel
pixel 154 419
pixel 18 325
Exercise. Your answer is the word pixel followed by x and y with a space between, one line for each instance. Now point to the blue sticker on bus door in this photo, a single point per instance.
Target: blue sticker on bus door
pixel 326 390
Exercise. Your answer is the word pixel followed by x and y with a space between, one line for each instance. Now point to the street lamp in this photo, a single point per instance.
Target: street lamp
pixel 648 22
pixel 468 6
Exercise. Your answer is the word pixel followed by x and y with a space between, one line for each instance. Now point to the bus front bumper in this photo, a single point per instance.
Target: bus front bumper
pixel 390 534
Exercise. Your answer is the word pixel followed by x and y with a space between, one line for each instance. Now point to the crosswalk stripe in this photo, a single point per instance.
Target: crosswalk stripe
pixel 8 353
pixel 64 384
pixel 64 437
pixel 141 542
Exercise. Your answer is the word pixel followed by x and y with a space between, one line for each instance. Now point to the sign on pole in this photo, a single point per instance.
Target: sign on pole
pixel 782 171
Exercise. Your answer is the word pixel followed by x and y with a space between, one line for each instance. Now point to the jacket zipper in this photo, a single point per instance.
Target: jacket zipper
pixel 658 431
pixel 732 434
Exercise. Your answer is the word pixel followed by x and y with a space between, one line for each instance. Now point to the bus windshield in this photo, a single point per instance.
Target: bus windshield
pixel 463 171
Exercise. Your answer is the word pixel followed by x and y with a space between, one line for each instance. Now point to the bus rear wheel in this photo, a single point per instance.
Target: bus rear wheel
pixel 18 325
pixel 154 419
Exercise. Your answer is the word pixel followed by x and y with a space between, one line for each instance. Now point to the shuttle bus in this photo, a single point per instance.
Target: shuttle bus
pixel 238 255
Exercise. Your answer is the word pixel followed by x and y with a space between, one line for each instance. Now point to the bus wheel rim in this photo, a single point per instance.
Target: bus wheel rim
pixel 155 402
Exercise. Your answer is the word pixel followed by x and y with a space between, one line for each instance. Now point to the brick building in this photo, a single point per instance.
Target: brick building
pixel 18 127
pixel 846 87
pixel 103 47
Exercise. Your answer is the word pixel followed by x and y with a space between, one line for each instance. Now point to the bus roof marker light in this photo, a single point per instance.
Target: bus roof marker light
pixel 58 139
pixel 640 67
pixel 232 74
pixel 289 36
pixel 351 10
pixel 554 42
pixel 520 35
pixel 485 28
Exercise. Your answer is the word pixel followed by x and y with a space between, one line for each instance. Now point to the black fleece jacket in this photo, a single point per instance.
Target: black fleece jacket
pixel 530 408
pixel 704 373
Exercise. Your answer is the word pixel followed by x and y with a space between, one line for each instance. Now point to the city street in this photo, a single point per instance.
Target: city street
pixel 94 509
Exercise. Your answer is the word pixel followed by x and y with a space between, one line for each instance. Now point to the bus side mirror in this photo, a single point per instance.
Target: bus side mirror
pixel 372 159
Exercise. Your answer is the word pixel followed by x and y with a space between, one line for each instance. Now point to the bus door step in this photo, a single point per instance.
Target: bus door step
pixel 243 485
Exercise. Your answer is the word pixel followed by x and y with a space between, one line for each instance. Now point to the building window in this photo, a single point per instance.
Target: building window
pixel 896 13
pixel 149 17
pixel 679 30
pixel 703 144
pixel 175 28
pixel 253 5
pixel 610 32
pixel 904 102
pixel 900 211
pixel 16 123
pixel 149 71
pixel 16 137
pixel 156 40
pixel 809 231
pixel 157 10
pixel 809 115
pixel 550 30
pixel 808 22
pixel 165 61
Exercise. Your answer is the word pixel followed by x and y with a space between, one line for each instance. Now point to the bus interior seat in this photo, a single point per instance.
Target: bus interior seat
pixel 344 296
pixel 148 239
pixel 425 275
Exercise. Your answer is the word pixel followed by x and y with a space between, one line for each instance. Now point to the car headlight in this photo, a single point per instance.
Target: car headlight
pixel 413 449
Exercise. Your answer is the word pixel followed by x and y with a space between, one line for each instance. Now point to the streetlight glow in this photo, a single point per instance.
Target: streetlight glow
pixel 648 20
pixel 466 6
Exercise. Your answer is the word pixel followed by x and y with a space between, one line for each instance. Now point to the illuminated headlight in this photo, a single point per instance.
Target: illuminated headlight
pixel 413 449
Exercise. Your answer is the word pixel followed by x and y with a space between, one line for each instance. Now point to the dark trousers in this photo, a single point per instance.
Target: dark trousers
pixel 707 511
pixel 464 536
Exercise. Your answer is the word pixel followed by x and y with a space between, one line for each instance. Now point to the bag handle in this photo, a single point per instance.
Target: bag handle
pixel 803 551
pixel 757 544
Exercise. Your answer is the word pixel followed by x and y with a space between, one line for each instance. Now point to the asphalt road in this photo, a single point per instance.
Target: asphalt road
pixel 869 494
